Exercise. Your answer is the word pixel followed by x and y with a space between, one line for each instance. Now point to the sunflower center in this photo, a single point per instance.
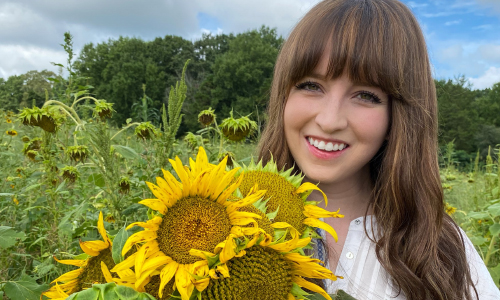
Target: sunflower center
pixel 261 274
pixel 282 194
pixel 192 223
pixel 92 271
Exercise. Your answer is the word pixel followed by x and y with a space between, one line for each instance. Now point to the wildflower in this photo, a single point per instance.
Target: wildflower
pixel 124 185
pixel 288 196
pixel 8 120
pixel 16 202
pixel 103 109
pixel 40 117
pixel 145 130
pixel 206 117
pixel 196 218
pixel 70 173
pixel 230 157
pixel 77 153
pixel 237 129
pixel 90 268
pixel 450 210
pixel 11 132
pixel 110 219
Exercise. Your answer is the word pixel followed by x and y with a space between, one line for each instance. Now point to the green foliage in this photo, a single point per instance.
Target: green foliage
pixel 110 291
pixel 8 236
pixel 26 288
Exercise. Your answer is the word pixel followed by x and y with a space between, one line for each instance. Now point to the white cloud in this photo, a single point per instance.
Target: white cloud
pixel 490 77
pixel 17 59
pixel 453 22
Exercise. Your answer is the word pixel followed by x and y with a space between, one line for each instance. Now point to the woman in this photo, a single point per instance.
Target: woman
pixel 353 107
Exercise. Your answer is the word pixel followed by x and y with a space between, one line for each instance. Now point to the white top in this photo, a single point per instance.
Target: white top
pixel 365 278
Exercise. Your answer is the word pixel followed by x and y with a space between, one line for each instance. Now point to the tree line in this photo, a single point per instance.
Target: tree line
pixel 227 72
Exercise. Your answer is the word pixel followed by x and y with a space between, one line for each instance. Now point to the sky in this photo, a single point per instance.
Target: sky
pixel 463 36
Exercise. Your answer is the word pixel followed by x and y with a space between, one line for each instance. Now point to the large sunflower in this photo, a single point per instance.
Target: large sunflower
pixel 288 196
pixel 270 270
pixel 90 268
pixel 197 222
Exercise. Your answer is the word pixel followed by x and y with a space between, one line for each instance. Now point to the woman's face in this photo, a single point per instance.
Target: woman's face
pixel 334 127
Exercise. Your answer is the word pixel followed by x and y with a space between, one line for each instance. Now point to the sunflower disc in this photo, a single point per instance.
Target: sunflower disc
pixel 193 223
pixel 261 274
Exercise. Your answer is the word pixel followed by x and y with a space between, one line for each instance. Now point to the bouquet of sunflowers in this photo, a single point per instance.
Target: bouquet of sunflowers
pixel 214 234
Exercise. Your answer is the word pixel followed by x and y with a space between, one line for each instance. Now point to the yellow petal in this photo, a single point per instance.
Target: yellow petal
pixel 201 284
pixel 72 262
pixel 106 273
pixel 290 297
pixel 152 224
pixel 139 237
pixel 313 211
pixel 95 245
pixel 155 204
pixel 318 224
pixel 158 192
pixel 307 186
pixel 242 231
pixel 223 270
pixel 310 286
pixel 249 199
pixel 226 180
pixel 183 175
pixel 102 230
pixel 166 275
pixel 226 248
pixel 126 264
pixel 201 254
pixel 143 279
pixel 183 283
pixel 222 198
pixel 88 250
pixel 69 276
pixel 154 263
pixel 267 240
pixel 174 185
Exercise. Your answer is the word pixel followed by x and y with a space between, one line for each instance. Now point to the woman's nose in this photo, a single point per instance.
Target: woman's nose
pixel 331 116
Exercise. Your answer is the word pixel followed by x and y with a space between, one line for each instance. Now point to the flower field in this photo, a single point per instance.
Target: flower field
pixel 75 190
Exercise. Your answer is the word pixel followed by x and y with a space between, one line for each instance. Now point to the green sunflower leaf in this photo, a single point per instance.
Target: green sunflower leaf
pixel 126 152
pixel 8 236
pixel 26 288
pixel 118 243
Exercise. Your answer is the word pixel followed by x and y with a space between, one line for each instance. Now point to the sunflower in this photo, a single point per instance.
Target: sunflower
pixel 288 196
pixel 270 270
pixel 8 120
pixel 11 132
pixel 197 222
pixel 206 117
pixel 90 268
pixel 237 129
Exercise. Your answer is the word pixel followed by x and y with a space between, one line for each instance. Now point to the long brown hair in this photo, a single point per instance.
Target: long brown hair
pixel 379 42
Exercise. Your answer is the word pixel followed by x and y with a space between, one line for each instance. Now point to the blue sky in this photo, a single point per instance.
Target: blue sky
pixel 463 36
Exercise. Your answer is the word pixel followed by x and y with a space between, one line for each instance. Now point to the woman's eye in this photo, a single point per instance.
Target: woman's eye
pixel 309 86
pixel 368 97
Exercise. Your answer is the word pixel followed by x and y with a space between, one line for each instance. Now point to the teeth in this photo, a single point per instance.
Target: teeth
pixel 326 146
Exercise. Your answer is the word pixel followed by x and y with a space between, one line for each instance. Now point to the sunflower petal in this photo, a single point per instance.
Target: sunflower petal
pixel 307 186
pixel 201 254
pixel 183 175
pixel 102 230
pixel 142 236
pixel 313 211
pixel 126 264
pixel 155 204
pixel 183 283
pixel 318 224
pixel 166 275
pixel 72 262
pixel 88 250
pixel 152 224
pixel 69 275
pixel 226 248
pixel 106 273
pixel 310 286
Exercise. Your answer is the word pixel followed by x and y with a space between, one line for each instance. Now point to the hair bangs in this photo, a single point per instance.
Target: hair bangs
pixel 364 41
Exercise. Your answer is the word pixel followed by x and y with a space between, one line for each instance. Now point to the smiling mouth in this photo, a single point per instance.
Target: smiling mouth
pixel 326 146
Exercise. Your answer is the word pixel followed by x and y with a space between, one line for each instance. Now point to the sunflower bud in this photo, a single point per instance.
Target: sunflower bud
pixel 230 158
pixel 25 139
pixel 145 130
pixel 77 153
pixel 31 154
pixel 44 118
pixel 70 174
pixel 124 185
pixel 237 129
pixel 206 117
pixel 103 109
